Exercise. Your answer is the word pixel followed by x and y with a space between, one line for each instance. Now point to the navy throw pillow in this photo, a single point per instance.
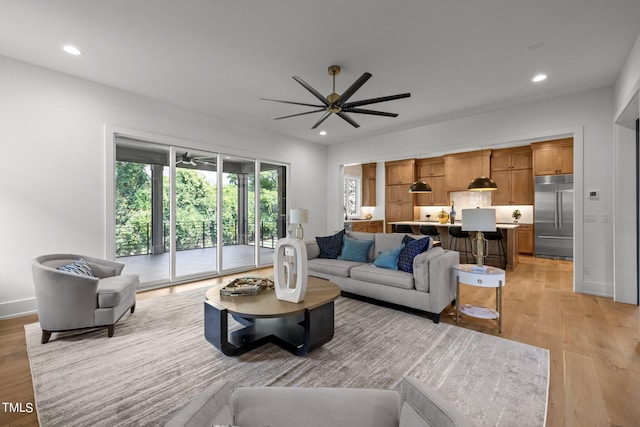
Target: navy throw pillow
pixel 331 246
pixel 409 252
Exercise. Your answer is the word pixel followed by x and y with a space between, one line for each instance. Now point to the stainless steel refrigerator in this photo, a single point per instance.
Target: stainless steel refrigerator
pixel 553 213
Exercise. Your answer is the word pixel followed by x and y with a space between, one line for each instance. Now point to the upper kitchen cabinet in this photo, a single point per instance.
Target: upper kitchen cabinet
pixel 400 172
pixel 431 171
pixel 369 184
pixel 553 157
pixel 462 168
pixel 511 169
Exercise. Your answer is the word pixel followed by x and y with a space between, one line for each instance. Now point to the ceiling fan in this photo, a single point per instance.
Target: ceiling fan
pixel 337 104
pixel 187 159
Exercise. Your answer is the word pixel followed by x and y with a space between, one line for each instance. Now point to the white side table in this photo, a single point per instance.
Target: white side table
pixel 491 278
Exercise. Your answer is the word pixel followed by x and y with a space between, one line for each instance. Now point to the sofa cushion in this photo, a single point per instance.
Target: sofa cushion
pixel 386 242
pixel 409 252
pixel 331 246
pixel 389 259
pixel 355 250
pixel 383 276
pixel 314 407
pixel 336 267
pixel 114 290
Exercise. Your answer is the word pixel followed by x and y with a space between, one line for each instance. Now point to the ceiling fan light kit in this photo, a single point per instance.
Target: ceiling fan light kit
pixel 336 103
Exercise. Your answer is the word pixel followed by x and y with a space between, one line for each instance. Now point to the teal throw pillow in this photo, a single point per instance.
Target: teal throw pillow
pixel 409 252
pixel 80 267
pixel 389 259
pixel 355 250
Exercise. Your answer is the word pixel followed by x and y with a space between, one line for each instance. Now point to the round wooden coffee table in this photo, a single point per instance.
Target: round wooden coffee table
pixel 296 327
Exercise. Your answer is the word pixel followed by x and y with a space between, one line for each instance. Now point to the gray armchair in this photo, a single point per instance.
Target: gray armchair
pixel 69 301
pixel 416 405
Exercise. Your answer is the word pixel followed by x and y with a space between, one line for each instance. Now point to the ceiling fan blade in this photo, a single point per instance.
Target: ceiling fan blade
pixel 312 90
pixel 372 112
pixel 322 119
pixel 353 88
pixel 291 102
pixel 300 114
pixel 348 119
pixel 376 100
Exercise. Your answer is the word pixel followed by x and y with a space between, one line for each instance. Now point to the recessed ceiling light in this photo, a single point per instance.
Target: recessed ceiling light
pixel 72 50
pixel 539 78
pixel 323 132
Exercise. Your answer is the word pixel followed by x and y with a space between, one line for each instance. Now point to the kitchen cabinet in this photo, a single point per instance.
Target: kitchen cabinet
pixel 431 171
pixel 369 184
pixel 511 169
pixel 372 226
pixel 553 157
pixel 400 172
pixel 399 203
pixel 525 238
pixel 462 168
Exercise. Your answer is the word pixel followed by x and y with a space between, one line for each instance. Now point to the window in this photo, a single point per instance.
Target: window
pixel 352 196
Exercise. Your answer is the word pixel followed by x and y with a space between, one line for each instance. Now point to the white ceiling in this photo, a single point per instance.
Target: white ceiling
pixel 456 57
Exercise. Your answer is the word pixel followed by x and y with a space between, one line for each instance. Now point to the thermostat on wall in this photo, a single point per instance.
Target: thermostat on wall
pixel 593 194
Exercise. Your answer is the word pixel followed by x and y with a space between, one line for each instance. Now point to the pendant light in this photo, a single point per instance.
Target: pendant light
pixel 420 187
pixel 482 183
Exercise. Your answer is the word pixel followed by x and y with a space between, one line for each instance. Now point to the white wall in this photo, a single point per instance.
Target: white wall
pixel 627 108
pixel 53 171
pixel 586 115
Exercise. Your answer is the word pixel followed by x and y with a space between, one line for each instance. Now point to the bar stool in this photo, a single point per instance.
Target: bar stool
pixel 499 237
pixel 431 231
pixel 402 228
pixel 457 233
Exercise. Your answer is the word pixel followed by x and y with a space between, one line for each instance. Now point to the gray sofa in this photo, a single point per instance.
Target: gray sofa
pixel 416 405
pixel 430 288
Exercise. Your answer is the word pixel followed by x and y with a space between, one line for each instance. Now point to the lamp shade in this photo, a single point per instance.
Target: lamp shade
pixel 479 219
pixel 420 187
pixel 482 183
pixel 299 216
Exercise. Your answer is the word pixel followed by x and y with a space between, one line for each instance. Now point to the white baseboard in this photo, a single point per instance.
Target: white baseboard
pixel 17 308
pixel 598 289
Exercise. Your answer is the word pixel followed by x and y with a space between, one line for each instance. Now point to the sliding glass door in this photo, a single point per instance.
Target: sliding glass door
pixel 196 204
pixel 183 214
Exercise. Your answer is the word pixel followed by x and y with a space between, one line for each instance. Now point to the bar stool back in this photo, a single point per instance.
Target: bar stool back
pixel 431 231
pixel 457 233
pixel 499 237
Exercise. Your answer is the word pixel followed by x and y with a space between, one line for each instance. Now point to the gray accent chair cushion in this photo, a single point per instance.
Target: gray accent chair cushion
pixel 416 405
pixel 69 301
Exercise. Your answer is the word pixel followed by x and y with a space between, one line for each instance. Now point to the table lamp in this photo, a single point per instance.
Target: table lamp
pixel 299 216
pixel 479 220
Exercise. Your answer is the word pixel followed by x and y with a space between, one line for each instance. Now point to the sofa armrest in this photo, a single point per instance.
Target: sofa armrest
pixel 432 273
pixel 56 291
pixel 313 250
pixel 422 406
pixel 103 267
pixel 209 407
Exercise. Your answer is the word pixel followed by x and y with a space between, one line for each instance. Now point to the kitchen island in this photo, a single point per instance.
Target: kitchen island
pixel 509 230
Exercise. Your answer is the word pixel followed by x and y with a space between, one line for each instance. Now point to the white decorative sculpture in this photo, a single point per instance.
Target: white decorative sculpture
pixel 290 269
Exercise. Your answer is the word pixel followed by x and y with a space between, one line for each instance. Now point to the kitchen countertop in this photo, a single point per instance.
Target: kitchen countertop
pixel 507 226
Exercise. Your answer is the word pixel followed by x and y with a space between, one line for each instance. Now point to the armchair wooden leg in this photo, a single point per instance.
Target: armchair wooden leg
pixel 45 337
pixel 133 308
pixel 110 330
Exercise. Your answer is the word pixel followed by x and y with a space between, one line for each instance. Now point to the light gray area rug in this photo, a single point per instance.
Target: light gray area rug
pixel 158 360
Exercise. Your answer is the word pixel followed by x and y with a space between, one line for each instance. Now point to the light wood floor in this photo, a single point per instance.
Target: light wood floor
pixel 594 345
